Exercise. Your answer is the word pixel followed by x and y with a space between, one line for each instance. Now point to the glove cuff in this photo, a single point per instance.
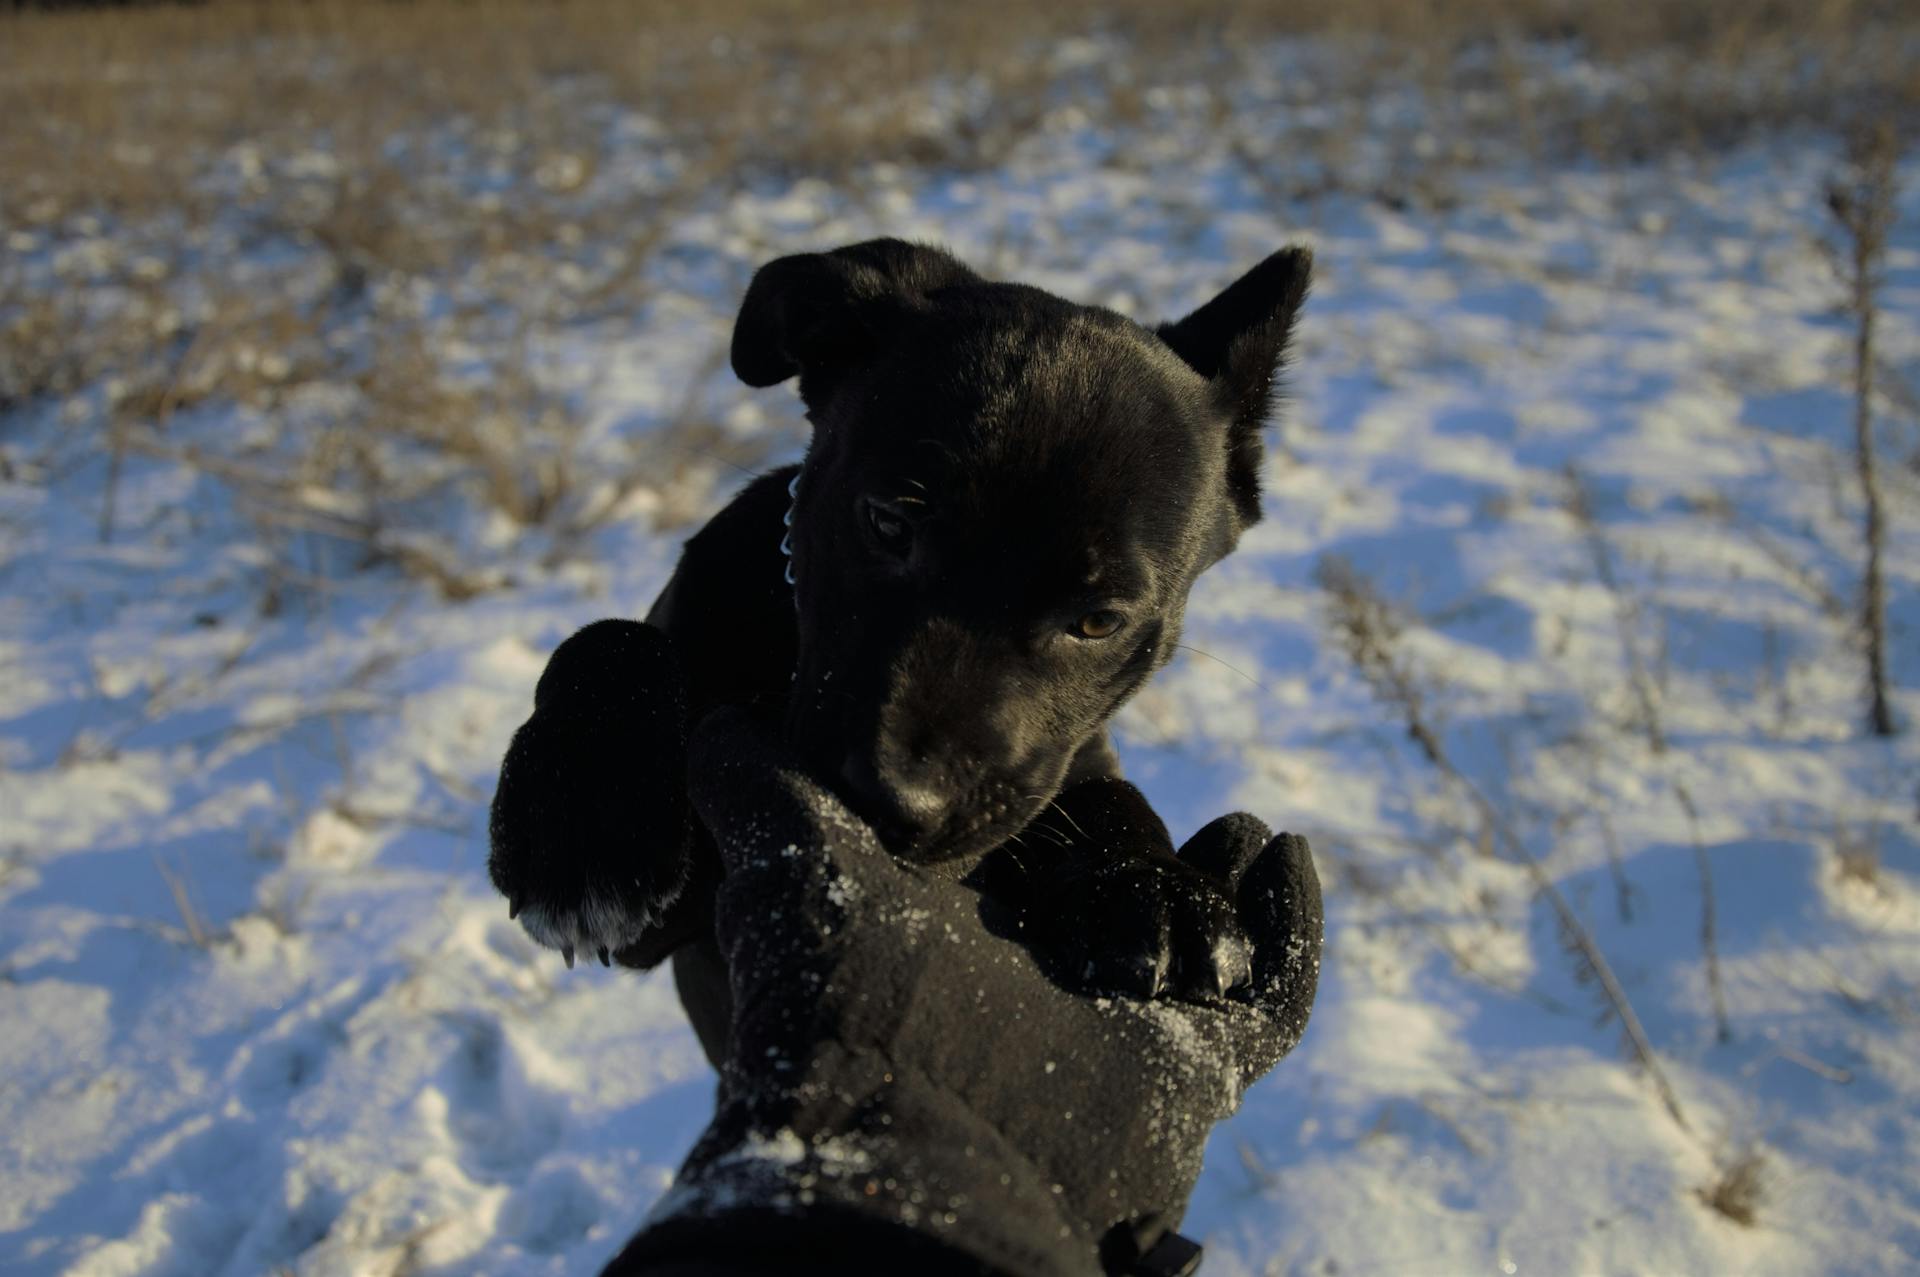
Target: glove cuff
pixel 865 1145
pixel 825 1239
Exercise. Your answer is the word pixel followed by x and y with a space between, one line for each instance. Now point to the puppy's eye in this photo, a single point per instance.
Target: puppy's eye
pixel 1098 625
pixel 891 530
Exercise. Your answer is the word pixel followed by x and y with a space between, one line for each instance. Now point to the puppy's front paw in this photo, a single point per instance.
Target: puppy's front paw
pixel 589 855
pixel 590 827
pixel 1147 928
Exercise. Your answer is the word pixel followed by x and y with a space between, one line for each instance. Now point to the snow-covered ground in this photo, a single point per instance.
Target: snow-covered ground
pixel 261 1012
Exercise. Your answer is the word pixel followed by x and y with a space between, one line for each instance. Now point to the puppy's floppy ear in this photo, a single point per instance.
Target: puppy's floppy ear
pixel 1238 341
pixel 814 310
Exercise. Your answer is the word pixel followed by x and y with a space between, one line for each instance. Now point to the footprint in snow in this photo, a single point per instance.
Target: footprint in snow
pixel 498 1116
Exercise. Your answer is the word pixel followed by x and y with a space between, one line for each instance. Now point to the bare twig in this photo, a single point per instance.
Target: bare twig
pixel 1819 1068
pixel 1709 912
pixel 1646 693
pixel 1622 889
pixel 1368 631
pixel 183 901
pixel 1862 202
pixel 1757 534
pixel 1626 612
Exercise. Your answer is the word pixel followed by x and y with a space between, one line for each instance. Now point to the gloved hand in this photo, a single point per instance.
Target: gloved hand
pixel 901 1071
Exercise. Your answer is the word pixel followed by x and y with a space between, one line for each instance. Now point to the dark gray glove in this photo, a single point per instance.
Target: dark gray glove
pixel 904 1071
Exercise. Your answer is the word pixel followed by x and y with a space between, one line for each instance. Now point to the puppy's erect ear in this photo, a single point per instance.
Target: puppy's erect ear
pixel 808 312
pixel 1238 341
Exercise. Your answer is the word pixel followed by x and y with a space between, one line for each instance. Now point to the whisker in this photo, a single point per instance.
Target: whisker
pixel 1054 836
pixel 1007 847
pixel 1055 806
pixel 1188 647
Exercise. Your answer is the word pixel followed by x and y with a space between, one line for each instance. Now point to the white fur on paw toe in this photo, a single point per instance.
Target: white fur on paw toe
pixel 595 926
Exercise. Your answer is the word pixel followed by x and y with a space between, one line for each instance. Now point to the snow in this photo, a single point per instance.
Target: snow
pixel 260 1010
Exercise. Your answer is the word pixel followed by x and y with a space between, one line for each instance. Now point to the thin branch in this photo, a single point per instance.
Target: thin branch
pixel 1626 613
pixel 1862 202
pixel 1626 618
pixel 1804 578
pixel 1368 631
pixel 183 901
pixel 1709 912
pixel 1622 889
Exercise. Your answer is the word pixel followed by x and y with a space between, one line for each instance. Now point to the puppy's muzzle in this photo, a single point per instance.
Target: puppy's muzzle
pixel 904 810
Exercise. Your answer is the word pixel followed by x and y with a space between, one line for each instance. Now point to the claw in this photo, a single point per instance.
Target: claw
pixel 1145 976
pixel 606 959
pixel 1232 965
pixel 566 951
pixel 513 910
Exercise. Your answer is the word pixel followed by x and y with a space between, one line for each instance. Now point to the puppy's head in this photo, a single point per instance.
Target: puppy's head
pixel 1005 503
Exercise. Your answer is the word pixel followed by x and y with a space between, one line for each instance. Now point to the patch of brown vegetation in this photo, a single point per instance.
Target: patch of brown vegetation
pixel 1739 1189
pixel 152 152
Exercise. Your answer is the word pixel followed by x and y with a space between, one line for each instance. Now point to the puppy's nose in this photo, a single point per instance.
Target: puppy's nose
pixel 900 809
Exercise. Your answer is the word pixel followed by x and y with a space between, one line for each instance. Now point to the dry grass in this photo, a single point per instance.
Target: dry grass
pixel 121 99
pixel 1372 636
pixel 1856 857
pixel 469 149
pixel 201 936
pixel 1740 1187
pixel 1649 694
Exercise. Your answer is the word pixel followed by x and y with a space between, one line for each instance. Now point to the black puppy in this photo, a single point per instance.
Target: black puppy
pixel 987 551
